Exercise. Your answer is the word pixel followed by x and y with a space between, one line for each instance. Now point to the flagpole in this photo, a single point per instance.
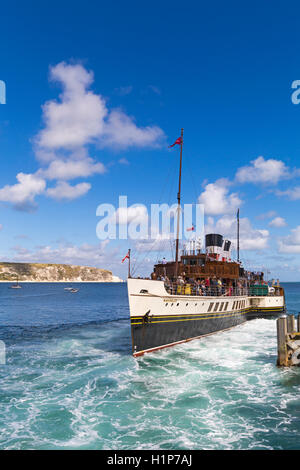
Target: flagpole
pixel 238 235
pixel 178 207
pixel 129 275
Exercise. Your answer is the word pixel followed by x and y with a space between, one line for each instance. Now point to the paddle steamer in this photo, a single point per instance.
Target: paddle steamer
pixel 198 294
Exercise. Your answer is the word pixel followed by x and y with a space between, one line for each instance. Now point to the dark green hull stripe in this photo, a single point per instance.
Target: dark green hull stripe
pixel 163 331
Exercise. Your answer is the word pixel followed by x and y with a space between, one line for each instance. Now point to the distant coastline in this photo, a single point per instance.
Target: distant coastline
pixel 46 272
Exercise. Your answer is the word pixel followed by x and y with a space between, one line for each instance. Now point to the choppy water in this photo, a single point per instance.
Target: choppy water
pixel 70 381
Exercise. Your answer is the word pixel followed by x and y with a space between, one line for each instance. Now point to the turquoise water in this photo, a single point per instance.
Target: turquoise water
pixel 70 381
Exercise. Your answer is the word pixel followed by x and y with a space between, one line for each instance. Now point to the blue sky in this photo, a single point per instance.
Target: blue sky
pixel 96 91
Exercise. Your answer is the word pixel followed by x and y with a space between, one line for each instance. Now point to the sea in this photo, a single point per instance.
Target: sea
pixel 68 379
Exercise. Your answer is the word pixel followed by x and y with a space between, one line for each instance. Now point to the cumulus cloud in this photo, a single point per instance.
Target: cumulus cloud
pixel 121 132
pixel 218 200
pixel 250 238
pixel 278 222
pixel 263 171
pixel 76 119
pixel 71 169
pixel 290 243
pixel 65 191
pixel 80 117
pixel 22 194
pixel 72 123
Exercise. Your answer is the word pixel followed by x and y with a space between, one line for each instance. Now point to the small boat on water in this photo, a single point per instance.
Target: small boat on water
pixel 68 288
pixel 73 290
pixel 16 286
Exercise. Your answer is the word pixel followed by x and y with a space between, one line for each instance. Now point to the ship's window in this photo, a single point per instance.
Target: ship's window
pixel 166 304
pixel 177 304
pixel 186 304
pixel 216 307
pixel 225 306
pixel 210 307
pixel 233 306
pixel 221 306
pixel 143 291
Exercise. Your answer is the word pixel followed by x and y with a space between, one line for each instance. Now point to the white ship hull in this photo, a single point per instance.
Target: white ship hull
pixel 159 319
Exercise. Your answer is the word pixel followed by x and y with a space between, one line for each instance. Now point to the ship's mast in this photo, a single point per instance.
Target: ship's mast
pixel 178 207
pixel 238 235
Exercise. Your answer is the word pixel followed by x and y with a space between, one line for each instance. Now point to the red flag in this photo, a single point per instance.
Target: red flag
pixel 127 256
pixel 177 142
pixel 191 229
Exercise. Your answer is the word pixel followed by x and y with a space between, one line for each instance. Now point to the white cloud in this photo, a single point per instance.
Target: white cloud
pixel 81 117
pixel 22 194
pixel 73 122
pixel 250 238
pixel 217 200
pixel 121 131
pixel 278 222
pixel 77 119
pixel 291 243
pixel 293 194
pixel 64 191
pixel 85 254
pixel 263 171
pixel 71 169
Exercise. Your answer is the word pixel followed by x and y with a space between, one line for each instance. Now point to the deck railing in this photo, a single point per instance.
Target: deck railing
pixel 193 289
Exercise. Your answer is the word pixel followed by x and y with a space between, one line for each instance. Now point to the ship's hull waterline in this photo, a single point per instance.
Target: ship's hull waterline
pixel 160 320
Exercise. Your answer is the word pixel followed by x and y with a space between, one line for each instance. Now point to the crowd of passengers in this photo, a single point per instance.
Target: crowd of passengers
pixel 208 286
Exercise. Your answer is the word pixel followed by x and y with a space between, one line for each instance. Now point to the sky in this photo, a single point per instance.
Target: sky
pixel 97 91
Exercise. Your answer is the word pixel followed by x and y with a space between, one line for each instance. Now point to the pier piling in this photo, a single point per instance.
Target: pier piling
pixel 288 341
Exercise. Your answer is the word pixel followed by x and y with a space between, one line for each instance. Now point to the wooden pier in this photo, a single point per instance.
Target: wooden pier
pixel 288 341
